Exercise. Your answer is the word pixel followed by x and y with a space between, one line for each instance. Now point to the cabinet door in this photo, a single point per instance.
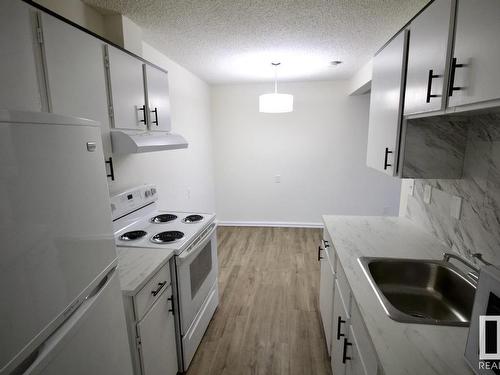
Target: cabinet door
pixel 428 58
pixel 326 290
pixel 75 73
pixel 157 335
pixel 477 52
pixel 360 355
pixel 340 331
pixel 20 88
pixel 126 86
pixel 386 105
pixel 157 94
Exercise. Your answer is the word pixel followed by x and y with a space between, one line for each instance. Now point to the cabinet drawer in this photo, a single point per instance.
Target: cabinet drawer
pixel 361 340
pixel 151 291
pixel 343 287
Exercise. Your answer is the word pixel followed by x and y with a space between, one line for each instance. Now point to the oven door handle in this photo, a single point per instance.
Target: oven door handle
pixel 198 245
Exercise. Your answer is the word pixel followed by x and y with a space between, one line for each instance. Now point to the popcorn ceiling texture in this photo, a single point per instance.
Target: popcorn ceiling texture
pixel 220 40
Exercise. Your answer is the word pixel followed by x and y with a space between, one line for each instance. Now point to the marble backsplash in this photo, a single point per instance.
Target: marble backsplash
pixel 478 229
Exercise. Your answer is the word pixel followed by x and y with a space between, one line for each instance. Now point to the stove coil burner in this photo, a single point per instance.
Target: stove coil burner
pixel 133 235
pixel 163 218
pixel 167 237
pixel 192 219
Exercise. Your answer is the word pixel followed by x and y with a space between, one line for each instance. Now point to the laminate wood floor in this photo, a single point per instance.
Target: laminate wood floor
pixel 268 319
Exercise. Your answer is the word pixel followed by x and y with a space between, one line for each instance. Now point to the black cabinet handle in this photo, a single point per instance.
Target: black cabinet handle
pixel 326 243
pixel 344 352
pixel 339 323
pixel 454 67
pixel 319 253
pixel 156 116
pixel 171 299
pixel 429 86
pixel 143 109
pixel 111 173
pixel 386 164
pixel 160 286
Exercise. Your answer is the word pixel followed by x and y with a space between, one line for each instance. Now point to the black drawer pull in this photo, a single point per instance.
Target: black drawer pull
pixel 429 86
pixel 326 243
pixel 454 66
pixel 160 286
pixel 386 163
pixel 339 323
pixel 143 109
pixel 155 111
pixel 344 352
pixel 171 299
pixel 319 253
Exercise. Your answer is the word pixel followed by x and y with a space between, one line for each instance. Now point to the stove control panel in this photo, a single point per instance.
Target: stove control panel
pixel 132 199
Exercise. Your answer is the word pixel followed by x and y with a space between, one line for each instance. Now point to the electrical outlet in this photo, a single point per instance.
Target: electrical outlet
pixel 456 207
pixel 277 179
pixel 427 194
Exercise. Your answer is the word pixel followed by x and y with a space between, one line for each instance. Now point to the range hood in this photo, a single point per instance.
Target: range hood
pixel 136 141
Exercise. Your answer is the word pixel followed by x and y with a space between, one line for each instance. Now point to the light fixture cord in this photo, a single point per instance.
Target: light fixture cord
pixel 275 76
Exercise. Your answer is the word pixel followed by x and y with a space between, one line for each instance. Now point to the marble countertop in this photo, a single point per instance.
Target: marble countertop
pixel 136 266
pixel 402 348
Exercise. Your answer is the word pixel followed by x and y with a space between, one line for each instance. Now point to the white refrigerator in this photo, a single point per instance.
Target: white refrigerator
pixel 61 308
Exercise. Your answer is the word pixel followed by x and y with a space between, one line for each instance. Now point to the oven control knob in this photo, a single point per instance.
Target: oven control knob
pixel 147 193
pixel 153 191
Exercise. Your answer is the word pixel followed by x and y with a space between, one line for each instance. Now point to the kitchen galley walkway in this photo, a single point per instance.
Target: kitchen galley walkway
pixel 268 319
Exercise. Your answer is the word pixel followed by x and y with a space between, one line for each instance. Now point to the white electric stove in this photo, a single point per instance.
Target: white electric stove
pixel 140 223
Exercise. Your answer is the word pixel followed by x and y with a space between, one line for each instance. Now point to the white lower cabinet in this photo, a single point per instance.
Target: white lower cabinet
pixel 151 326
pixel 326 290
pixel 156 332
pixel 352 352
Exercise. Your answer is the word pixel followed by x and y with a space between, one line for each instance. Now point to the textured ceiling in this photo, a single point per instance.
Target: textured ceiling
pixel 226 41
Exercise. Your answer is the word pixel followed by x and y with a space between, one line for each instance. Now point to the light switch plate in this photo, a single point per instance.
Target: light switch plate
pixel 427 194
pixel 456 207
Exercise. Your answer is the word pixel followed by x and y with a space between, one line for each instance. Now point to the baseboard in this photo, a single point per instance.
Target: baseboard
pixel 284 224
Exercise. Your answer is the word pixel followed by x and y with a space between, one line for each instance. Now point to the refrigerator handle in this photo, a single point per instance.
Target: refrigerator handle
pixel 40 354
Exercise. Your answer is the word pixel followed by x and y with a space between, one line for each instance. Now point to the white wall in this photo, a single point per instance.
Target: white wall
pixel 319 150
pixel 184 177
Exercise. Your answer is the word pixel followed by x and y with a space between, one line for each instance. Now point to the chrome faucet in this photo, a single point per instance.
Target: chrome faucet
pixel 475 270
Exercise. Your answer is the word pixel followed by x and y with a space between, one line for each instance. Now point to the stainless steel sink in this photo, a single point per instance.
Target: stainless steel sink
pixel 421 291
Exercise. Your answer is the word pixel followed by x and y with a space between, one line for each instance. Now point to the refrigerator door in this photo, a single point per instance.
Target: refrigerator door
pixel 92 341
pixel 55 224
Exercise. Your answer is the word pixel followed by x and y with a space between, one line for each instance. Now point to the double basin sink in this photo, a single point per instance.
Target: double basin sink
pixel 421 291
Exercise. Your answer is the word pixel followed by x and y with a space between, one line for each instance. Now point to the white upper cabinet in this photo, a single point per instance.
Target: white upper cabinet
pixel 475 66
pixel 19 46
pixel 428 55
pixel 126 89
pixel 386 105
pixel 157 97
pixel 75 73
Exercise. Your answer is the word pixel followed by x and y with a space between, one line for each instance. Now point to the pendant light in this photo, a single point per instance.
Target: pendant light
pixel 275 103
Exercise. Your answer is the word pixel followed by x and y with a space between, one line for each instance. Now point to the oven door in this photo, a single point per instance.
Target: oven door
pixel 196 274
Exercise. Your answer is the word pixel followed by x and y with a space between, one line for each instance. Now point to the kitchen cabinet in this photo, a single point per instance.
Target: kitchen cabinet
pixel 21 74
pixel 474 69
pixel 326 291
pixel 428 56
pixel 157 338
pixel 157 98
pixel 151 326
pixel 75 73
pixel 127 101
pixel 386 105
pixel 340 331
pixel 352 352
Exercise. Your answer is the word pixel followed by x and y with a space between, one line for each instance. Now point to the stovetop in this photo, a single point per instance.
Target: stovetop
pixel 151 228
